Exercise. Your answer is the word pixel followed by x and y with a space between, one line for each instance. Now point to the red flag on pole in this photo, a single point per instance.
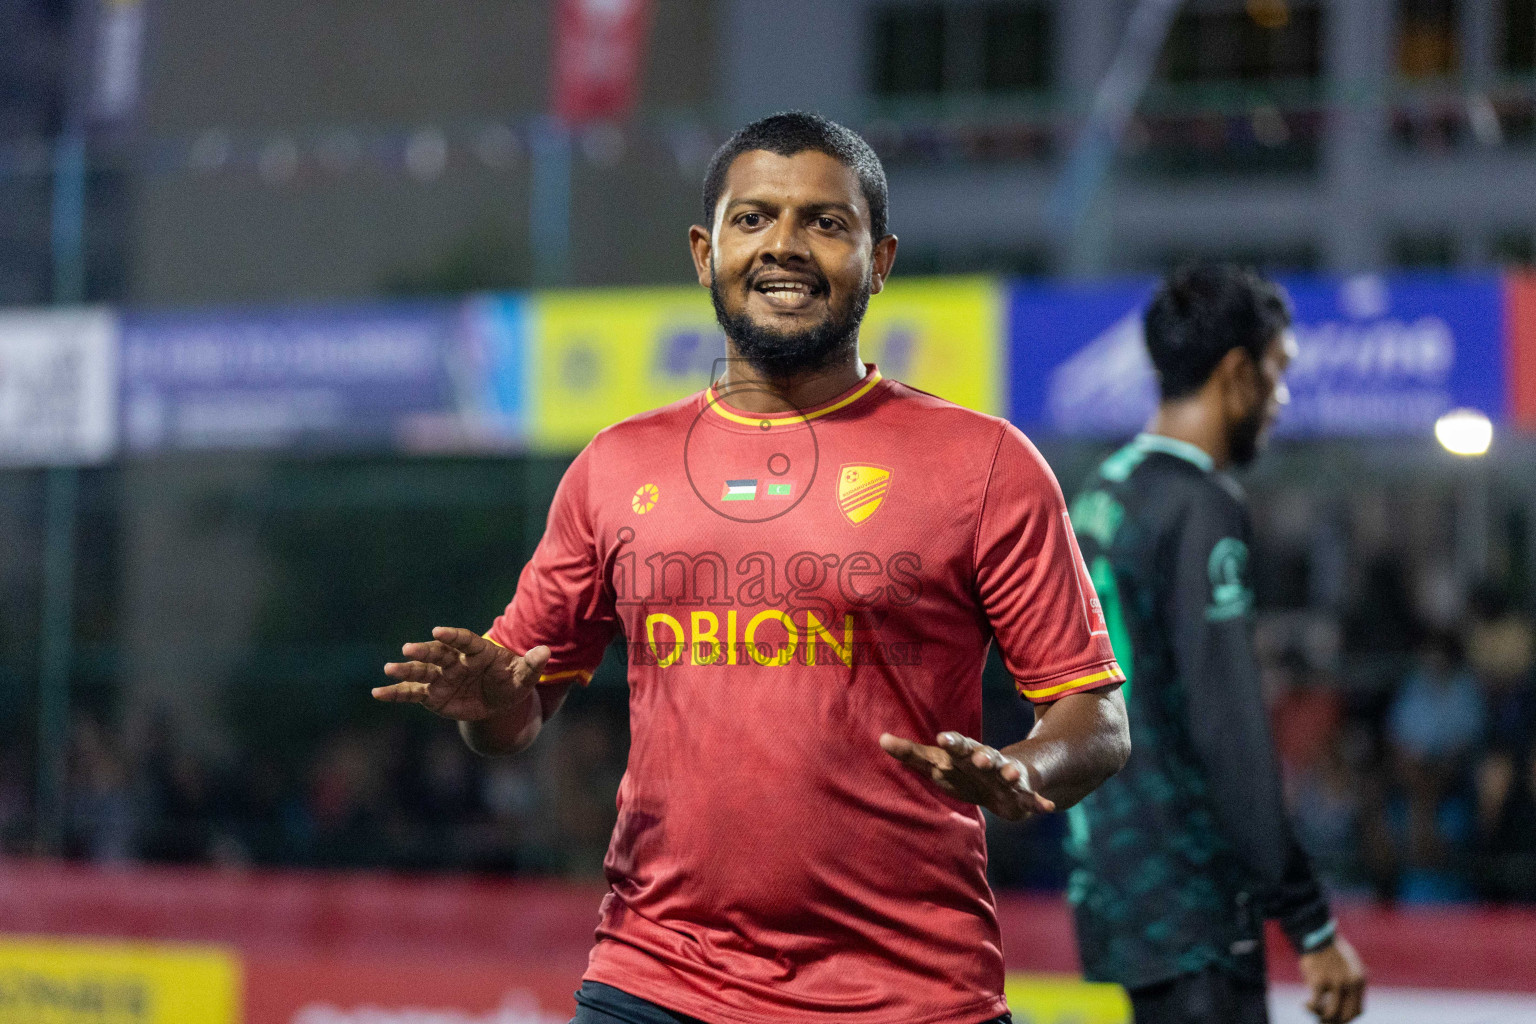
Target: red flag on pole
pixel 599 51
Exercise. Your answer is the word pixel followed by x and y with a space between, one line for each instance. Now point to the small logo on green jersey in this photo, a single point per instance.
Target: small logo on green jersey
pixel 1095 514
pixel 1230 596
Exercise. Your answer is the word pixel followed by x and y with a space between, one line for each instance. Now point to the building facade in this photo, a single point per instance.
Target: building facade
pixel 285 151
pixel 1303 134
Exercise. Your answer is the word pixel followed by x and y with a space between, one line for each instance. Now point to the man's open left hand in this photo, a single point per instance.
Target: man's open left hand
pixel 973 772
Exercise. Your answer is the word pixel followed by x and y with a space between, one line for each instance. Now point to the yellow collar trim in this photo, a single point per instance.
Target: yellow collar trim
pixel 782 419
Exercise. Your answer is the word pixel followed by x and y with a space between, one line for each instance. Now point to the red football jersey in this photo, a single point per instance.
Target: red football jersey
pixel 791 586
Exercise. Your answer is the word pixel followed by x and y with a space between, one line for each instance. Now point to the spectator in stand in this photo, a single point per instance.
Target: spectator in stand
pixel 1438 716
pixel 102 826
pixel 509 792
pixel 15 799
pixel 588 763
pixel 1321 788
pixel 347 808
pixel 443 808
pixel 1507 827
pixel 1329 813
pixel 267 815
pixel 180 798
pixel 1434 726
pixel 1306 714
pixel 1501 649
pixel 1380 627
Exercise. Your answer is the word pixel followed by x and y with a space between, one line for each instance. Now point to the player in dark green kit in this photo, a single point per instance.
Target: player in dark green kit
pixel 1182 856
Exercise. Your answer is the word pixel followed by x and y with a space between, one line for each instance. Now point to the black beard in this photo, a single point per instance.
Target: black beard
pixel 1246 438
pixel 782 354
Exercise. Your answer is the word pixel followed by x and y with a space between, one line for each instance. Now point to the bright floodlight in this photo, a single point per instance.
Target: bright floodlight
pixel 1464 432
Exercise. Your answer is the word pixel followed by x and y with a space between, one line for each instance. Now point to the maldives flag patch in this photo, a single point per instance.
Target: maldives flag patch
pixel 785 490
pixel 739 490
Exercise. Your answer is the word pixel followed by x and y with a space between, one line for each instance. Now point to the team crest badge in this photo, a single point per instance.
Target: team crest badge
pixel 860 490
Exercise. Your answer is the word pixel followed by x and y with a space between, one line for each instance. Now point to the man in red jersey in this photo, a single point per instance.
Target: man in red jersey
pixel 809 562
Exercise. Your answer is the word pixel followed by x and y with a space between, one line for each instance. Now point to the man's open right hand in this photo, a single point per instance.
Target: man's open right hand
pixel 462 676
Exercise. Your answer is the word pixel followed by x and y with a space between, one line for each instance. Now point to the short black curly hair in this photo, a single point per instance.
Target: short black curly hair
pixel 795 131
pixel 1203 311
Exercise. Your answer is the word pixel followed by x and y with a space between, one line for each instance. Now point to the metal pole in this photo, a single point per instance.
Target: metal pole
pixel 68 217
pixel 549 220
pixel 1072 199
pixel 55 654
pixel 56 648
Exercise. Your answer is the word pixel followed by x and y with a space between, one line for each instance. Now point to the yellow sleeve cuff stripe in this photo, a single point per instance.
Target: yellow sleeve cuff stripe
pixel 553 677
pixel 575 673
pixel 1111 674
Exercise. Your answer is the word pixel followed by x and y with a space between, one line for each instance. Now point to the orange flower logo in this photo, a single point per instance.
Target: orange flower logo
pixel 645 498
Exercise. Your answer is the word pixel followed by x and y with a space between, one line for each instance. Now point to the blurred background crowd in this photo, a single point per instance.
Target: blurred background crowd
pixel 1403 691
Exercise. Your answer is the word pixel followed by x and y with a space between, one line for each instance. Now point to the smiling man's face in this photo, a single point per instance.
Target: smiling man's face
pixel 789 260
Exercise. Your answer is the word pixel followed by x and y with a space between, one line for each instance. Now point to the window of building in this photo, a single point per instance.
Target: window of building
pixel 1236 91
pixel 1021 261
pixel 1427 250
pixel 1427 44
pixel 1017 47
pixel 909 50
pixel 1514 248
pixel 1002 140
pixel 997 47
pixel 1256 41
pixel 1280 257
pixel 1519 36
pixel 1433 120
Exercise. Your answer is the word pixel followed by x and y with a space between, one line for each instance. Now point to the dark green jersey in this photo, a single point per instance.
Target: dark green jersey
pixel 1180 857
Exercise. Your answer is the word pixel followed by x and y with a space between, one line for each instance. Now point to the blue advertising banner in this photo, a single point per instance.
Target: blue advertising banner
pixel 405 375
pixel 494 367
pixel 1076 359
pixel 1376 355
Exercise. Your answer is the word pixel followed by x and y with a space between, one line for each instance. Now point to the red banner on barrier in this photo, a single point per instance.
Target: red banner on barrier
pixel 1520 309
pixel 488 937
pixel 599 53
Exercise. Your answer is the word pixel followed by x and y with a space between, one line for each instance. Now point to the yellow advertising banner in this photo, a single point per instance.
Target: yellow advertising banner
pixel 56 981
pixel 599 356
pixel 946 336
pixel 1063 999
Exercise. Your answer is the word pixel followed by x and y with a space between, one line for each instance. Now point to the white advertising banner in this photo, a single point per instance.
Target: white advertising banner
pixel 58 387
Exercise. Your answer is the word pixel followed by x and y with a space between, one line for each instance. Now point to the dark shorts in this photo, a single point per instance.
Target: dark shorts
pixel 1210 997
pixel 597 1003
